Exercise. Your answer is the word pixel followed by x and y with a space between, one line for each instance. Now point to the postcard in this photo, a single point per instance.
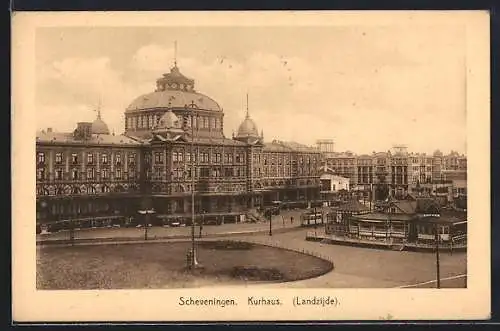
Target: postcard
pixel 250 166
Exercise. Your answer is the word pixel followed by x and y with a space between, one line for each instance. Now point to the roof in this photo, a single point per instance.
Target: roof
pixel 172 99
pixel 407 207
pixel 336 155
pixel 273 147
pixel 411 206
pixel 68 138
pixel 352 205
pixel 385 217
pixel 99 126
pixel 424 204
pixel 175 76
pixel 247 128
pixel 449 219
pixel 444 217
pixel 218 141
pixel 287 146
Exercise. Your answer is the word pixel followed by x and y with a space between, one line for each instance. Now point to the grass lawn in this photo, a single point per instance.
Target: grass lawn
pixel 162 265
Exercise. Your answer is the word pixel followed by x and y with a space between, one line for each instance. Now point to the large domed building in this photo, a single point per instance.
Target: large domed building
pixel 173 144
pixel 177 93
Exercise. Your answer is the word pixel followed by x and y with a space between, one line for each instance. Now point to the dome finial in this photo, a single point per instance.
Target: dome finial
pixel 248 113
pixel 99 126
pixel 175 53
pixel 99 108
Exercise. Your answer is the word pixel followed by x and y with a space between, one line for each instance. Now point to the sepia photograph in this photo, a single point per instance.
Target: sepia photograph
pixel 240 161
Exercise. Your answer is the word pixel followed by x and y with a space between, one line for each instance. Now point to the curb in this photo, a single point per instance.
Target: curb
pixel 111 240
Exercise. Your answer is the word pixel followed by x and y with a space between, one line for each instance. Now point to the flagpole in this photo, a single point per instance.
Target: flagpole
pixel 193 261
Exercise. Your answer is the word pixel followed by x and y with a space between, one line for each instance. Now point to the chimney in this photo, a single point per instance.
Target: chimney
pixel 49 130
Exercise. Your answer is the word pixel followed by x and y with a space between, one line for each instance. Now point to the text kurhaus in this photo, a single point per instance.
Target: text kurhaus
pixel 253 301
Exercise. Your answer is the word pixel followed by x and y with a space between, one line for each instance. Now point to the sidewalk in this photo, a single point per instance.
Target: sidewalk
pixel 155 233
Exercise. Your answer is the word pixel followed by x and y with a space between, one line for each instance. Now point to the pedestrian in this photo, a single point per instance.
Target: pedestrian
pixel 291 220
pixel 201 229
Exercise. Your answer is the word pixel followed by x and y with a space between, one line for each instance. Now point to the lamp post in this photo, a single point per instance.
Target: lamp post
pixel 436 239
pixel 146 214
pixel 315 222
pixel 202 221
pixel 270 222
pixel 193 260
pixel 72 228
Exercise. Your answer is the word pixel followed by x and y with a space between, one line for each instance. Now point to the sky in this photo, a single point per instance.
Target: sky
pixel 367 88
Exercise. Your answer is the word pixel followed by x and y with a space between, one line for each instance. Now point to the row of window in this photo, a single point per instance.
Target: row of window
pixel 203 172
pixel 422 161
pixel 75 190
pixel 204 157
pixel 75 158
pixel 150 121
pixel 90 174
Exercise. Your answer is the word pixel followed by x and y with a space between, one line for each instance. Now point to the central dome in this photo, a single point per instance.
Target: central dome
pixel 173 90
pixel 172 99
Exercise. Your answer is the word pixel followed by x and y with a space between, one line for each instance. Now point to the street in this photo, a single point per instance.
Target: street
pixel 165 232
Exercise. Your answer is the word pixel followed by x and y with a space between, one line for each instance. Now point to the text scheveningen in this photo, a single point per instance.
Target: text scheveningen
pixel 219 302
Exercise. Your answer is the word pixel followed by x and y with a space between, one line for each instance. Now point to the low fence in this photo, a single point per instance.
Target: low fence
pixel 296 250
pixel 389 244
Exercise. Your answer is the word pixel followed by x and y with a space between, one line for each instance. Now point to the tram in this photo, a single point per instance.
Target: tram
pixel 311 219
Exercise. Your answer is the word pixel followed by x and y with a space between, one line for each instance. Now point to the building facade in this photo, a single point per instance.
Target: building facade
pixel 173 147
pixel 398 173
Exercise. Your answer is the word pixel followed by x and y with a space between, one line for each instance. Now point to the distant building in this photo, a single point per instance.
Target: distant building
pixel 326 147
pixel 398 173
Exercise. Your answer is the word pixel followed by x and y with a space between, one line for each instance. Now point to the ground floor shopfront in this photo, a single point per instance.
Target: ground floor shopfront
pixel 109 210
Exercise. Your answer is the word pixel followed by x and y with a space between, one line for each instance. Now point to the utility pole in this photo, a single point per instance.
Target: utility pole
pixel 437 237
pixel 193 245
pixel 72 233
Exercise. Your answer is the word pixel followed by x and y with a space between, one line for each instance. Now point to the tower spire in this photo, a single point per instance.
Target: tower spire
pixel 175 53
pixel 99 108
pixel 248 114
